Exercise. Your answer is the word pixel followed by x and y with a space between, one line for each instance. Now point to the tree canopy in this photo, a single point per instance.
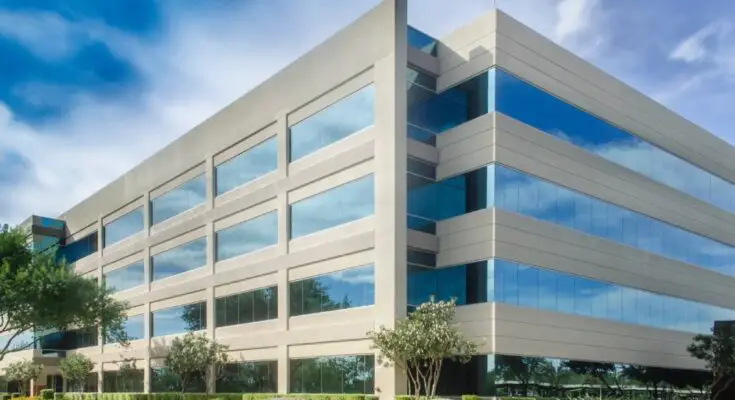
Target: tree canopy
pixel 23 372
pixel 195 357
pixel 718 352
pixel 420 343
pixel 75 368
pixel 38 293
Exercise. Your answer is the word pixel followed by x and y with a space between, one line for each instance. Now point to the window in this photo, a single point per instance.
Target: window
pixel 164 380
pixel 126 277
pixel 338 121
pixel 74 251
pixel 354 287
pixel 337 374
pixel 510 376
pixel 249 377
pixel 539 288
pixel 242 308
pixel 420 40
pixel 69 339
pixel 179 199
pixel 20 342
pixel 180 259
pixel 247 166
pixel 129 382
pixel 181 319
pixel 123 227
pixel 247 236
pixel 348 202
pixel 135 327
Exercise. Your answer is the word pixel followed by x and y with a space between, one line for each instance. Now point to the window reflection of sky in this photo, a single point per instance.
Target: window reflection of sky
pixel 526 286
pixel 126 277
pixel 341 119
pixel 348 202
pixel 180 259
pixel 123 227
pixel 170 321
pixel 354 287
pixel 247 166
pixel 179 199
pixel 247 236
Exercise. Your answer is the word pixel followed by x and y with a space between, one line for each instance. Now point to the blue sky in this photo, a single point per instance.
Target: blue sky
pixel 89 89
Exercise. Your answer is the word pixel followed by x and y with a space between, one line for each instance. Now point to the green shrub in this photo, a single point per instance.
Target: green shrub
pixel 47 394
pixel 470 397
pixel 14 395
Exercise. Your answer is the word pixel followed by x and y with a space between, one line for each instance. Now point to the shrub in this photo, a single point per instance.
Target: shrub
pixel 470 397
pixel 47 394
pixel 14 395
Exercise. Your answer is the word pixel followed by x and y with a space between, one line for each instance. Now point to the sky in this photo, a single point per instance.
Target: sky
pixel 88 89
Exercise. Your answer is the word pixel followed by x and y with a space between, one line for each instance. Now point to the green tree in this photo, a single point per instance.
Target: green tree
pixel 718 352
pixel 23 372
pixel 420 343
pixel 129 377
pixel 75 368
pixel 39 293
pixel 523 370
pixel 195 356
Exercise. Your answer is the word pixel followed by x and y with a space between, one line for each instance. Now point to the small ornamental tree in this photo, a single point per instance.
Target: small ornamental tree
pixel 75 368
pixel 23 372
pixel 195 356
pixel 128 374
pixel 420 343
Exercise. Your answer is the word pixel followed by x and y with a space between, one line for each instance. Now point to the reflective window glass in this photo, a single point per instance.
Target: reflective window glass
pixel 521 285
pixel 163 380
pixel 249 377
pixel 123 227
pixel 179 199
pixel 336 374
pixel 247 236
pixel 528 377
pixel 251 306
pixel 420 40
pixel 126 277
pixel 247 166
pixel 135 327
pixel 78 249
pixel 127 382
pixel 338 121
pixel 354 287
pixel 181 319
pixel 180 259
pixel 345 203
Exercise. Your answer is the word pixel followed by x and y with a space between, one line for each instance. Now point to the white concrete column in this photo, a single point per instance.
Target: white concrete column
pixel 146 214
pixel 390 189
pixel 283 300
pixel 100 378
pixel 147 374
pixel 282 139
pixel 283 369
pixel 209 178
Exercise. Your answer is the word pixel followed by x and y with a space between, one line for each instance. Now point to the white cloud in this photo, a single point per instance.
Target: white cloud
pixel 47 35
pixel 695 47
pixel 203 62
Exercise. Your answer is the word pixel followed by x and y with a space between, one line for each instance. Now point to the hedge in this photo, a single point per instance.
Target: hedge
pixel 204 396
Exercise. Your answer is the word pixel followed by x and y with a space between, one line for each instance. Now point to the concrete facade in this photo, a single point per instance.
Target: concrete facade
pixel 374 49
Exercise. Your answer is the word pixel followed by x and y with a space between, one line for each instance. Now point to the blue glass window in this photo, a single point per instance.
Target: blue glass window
pixel 247 236
pixel 181 319
pixel 247 166
pixel 338 121
pixel 126 277
pixel 180 259
pixel 74 251
pixel 354 287
pixel 345 203
pixel 532 287
pixel 336 374
pixel 420 40
pixel 179 199
pixel 243 308
pixel 134 327
pixel 123 227
pixel 497 90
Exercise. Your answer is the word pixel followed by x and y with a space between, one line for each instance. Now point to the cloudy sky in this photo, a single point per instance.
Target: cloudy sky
pixel 90 88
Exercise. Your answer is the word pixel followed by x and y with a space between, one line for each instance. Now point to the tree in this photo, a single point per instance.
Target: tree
pixel 196 357
pixel 75 368
pixel 129 376
pixel 39 293
pixel 521 369
pixel 23 372
pixel 420 343
pixel 601 371
pixel 718 352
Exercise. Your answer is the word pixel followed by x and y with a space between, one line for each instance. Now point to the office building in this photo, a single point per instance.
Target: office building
pixel 573 219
